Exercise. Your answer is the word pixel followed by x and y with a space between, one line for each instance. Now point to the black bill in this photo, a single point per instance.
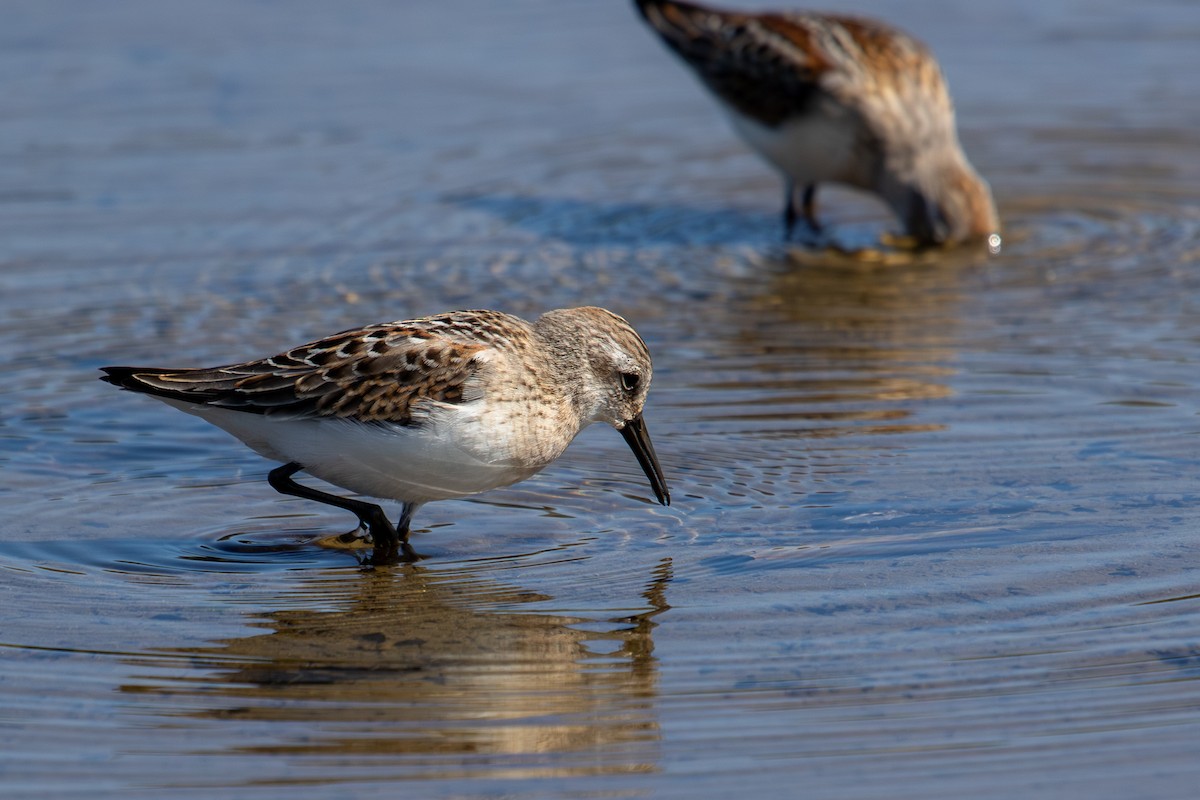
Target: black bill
pixel 639 442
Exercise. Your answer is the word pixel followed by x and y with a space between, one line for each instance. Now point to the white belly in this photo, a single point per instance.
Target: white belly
pixel 815 148
pixel 433 462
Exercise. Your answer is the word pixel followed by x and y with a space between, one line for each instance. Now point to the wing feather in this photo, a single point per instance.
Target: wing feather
pixel 379 374
pixel 774 66
pixel 767 67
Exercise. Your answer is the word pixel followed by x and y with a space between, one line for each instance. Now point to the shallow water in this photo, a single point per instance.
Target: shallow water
pixel 934 523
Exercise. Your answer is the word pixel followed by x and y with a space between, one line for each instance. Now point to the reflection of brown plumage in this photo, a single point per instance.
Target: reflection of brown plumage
pixel 832 346
pixel 837 99
pixel 421 665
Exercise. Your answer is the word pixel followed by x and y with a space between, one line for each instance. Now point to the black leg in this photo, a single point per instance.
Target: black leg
pixel 809 206
pixel 400 550
pixel 369 515
pixel 789 208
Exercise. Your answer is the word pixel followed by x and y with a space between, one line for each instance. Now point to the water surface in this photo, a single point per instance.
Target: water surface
pixel 934 523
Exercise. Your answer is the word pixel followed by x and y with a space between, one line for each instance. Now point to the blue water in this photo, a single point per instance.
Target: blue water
pixel 934 523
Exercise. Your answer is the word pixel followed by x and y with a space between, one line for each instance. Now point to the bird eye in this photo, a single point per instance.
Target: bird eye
pixel 629 382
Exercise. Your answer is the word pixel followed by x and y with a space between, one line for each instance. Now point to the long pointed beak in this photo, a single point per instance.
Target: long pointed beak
pixel 638 438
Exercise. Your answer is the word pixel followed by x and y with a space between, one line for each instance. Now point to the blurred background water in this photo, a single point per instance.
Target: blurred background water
pixel 935 523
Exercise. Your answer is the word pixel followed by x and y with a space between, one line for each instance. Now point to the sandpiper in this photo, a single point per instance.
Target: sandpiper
pixel 424 409
pixel 841 99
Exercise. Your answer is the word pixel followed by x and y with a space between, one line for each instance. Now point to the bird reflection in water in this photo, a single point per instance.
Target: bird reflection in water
pixel 435 673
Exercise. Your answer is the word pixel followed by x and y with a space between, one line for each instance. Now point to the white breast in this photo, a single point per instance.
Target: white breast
pixel 439 461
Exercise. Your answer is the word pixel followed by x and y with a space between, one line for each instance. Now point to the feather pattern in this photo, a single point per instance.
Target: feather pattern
pixel 381 373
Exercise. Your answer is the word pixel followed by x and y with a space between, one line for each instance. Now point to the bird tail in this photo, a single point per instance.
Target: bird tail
pixel 191 385
pixel 679 22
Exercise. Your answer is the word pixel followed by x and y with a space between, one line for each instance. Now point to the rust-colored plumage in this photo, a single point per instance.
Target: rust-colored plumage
pixel 376 374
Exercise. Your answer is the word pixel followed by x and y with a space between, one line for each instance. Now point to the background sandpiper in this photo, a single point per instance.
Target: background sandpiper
pixel 840 99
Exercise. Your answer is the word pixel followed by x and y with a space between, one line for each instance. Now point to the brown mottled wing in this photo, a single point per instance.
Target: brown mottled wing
pixel 774 66
pixel 376 374
pixel 767 66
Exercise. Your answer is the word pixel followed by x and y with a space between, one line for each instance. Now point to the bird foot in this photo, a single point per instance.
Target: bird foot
pixel 393 552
